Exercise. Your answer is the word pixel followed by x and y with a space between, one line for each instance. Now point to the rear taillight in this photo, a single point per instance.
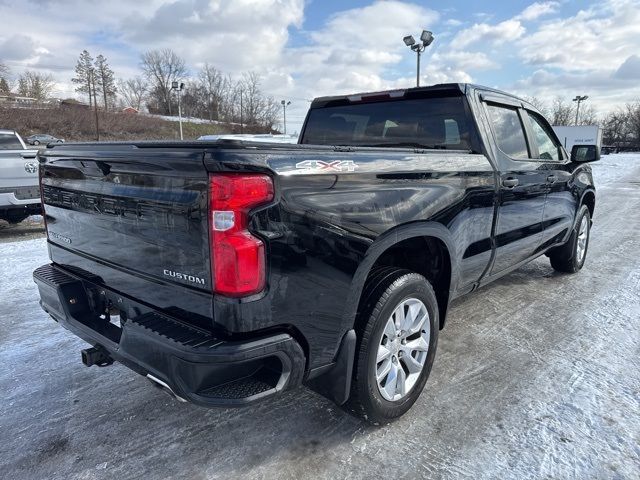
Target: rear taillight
pixel 238 266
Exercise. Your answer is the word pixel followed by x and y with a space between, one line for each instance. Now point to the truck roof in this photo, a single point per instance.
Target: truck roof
pixel 450 88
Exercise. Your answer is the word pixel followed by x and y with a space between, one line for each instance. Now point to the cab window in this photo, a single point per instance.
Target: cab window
pixel 8 141
pixel 509 131
pixel 548 148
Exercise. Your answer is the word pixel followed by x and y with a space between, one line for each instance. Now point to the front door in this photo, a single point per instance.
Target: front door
pixel 519 225
pixel 560 203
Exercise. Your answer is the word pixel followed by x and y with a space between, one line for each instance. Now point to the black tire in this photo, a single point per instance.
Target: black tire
pixel 14 217
pixel 566 258
pixel 385 290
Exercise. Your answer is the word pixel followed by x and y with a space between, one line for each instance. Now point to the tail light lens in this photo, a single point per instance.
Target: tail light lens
pixel 238 266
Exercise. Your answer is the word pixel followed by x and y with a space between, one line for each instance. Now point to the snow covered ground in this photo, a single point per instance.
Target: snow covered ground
pixel 536 376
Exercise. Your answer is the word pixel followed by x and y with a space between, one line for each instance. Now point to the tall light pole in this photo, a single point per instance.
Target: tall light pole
pixel 579 99
pixel 426 39
pixel 285 104
pixel 179 86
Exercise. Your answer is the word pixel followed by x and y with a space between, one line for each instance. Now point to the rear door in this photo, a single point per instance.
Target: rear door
pixel 560 203
pixel 518 230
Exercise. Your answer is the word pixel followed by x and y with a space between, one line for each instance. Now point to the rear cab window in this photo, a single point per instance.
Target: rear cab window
pixel 9 141
pixel 440 123
pixel 509 131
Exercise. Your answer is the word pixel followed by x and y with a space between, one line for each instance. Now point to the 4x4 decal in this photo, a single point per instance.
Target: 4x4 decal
pixel 335 166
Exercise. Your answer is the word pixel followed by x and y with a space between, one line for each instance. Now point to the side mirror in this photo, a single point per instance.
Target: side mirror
pixel 585 153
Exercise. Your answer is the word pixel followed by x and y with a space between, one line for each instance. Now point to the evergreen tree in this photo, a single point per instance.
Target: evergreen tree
pixel 4 86
pixel 105 80
pixel 84 69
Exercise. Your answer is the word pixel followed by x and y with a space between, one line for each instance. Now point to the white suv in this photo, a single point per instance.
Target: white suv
pixel 19 190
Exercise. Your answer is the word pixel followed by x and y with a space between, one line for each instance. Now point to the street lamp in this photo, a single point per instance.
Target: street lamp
pixel 426 39
pixel 179 86
pixel 285 104
pixel 579 99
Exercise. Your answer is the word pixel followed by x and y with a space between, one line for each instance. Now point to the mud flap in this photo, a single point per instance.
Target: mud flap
pixel 335 384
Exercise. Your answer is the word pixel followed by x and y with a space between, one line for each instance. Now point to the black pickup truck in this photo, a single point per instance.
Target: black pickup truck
pixel 228 271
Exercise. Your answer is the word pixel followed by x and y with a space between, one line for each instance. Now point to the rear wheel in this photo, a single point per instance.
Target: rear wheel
pixel 14 217
pixel 570 258
pixel 396 344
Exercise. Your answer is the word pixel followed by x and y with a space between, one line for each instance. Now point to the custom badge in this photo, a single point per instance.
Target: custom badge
pixel 31 167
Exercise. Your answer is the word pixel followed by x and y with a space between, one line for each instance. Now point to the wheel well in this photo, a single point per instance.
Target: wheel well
pixel 427 256
pixel 589 200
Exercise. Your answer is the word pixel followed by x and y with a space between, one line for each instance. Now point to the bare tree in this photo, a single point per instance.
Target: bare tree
pixel 162 67
pixel 633 122
pixel 616 128
pixel 214 86
pixel 258 109
pixel 84 68
pixel 587 115
pixel 133 91
pixel 562 113
pixel 539 104
pixel 35 84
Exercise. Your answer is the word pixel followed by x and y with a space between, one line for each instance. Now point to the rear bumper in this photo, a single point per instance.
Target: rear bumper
pixel 196 365
pixel 10 200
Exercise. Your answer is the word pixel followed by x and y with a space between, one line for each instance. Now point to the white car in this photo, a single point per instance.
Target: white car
pixel 19 188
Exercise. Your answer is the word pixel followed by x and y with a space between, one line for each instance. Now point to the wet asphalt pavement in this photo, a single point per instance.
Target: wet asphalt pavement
pixel 536 376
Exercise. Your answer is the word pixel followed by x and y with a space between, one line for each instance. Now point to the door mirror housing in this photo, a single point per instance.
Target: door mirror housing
pixel 585 153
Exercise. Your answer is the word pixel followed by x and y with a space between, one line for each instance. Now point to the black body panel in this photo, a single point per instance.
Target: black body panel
pixel 127 217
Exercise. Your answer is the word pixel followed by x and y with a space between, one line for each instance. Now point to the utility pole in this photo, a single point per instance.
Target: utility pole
pixel 285 104
pixel 579 99
pixel 92 86
pixel 426 38
pixel 241 118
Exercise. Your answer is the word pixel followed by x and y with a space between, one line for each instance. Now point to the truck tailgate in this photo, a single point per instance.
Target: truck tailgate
pixel 134 217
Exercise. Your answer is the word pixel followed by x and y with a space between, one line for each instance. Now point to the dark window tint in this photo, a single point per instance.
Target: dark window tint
pixel 548 148
pixel 509 132
pixel 428 122
pixel 9 142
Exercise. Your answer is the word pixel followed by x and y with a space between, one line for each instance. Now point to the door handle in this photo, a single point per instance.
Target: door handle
pixel 551 178
pixel 510 182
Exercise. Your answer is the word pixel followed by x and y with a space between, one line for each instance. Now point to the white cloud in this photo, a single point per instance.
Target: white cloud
pixel 482 34
pixel 596 39
pixel 538 9
pixel 461 60
pixel 630 69
pixel 356 49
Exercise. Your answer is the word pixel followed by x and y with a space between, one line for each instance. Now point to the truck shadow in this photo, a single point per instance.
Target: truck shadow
pixel 32 227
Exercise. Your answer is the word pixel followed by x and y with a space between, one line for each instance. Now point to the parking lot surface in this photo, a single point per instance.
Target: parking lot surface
pixel 536 376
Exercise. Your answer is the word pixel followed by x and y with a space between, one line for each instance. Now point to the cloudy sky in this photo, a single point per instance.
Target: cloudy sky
pixel 309 48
